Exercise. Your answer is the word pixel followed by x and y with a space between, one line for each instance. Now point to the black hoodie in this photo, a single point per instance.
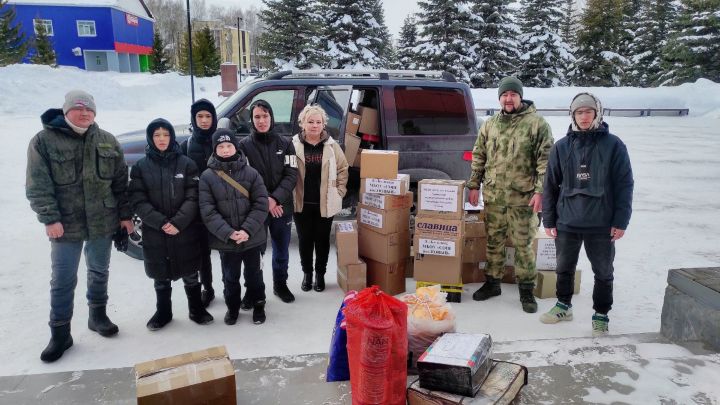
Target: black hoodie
pixel 273 156
pixel 199 146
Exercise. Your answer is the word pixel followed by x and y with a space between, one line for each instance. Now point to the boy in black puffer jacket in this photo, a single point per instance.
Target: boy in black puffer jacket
pixel 234 206
pixel 164 194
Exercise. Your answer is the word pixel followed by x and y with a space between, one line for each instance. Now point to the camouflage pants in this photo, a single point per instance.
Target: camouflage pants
pixel 519 224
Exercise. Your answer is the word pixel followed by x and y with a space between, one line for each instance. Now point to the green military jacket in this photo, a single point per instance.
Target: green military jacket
pixel 77 180
pixel 510 156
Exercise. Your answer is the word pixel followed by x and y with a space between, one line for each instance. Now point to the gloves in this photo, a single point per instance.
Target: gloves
pixel 120 237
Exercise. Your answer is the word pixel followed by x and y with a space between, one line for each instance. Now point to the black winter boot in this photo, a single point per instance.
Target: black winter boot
pixel 281 290
pixel 259 312
pixel 245 304
pixel 60 340
pixel 491 288
pixel 163 313
pixel 100 323
pixel 208 295
pixel 527 299
pixel 307 282
pixel 319 284
pixel 198 314
pixel 233 305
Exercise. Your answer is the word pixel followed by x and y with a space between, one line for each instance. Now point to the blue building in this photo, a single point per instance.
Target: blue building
pixel 96 35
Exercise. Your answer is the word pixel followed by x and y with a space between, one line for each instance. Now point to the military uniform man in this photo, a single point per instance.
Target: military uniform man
pixel 509 159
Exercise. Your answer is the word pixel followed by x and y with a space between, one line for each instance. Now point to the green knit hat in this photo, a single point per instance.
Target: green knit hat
pixel 510 83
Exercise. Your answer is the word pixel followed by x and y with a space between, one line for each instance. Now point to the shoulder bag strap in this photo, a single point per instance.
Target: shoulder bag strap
pixel 233 183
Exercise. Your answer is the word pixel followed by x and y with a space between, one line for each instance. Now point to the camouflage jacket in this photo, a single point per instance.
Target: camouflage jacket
pixel 510 156
pixel 78 180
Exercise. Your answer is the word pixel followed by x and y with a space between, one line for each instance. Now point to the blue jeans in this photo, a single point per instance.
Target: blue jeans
pixel 65 257
pixel 280 230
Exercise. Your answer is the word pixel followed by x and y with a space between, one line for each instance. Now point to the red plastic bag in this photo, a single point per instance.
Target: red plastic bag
pixel 377 348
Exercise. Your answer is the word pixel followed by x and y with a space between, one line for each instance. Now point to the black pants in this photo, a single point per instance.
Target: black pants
pixel 206 278
pixel 601 253
pixel 232 265
pixel 189 281
pixel 313 234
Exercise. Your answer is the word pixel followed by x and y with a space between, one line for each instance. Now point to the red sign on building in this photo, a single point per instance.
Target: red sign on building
pixel 131 20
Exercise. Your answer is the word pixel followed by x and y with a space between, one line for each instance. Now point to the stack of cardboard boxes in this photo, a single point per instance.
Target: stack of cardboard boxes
pixel 383 215
pixel 361 127
pixel 351 271
pixel 439 235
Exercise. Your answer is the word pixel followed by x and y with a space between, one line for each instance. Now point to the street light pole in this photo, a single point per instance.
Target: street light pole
pixel 239 48
pixel 190 55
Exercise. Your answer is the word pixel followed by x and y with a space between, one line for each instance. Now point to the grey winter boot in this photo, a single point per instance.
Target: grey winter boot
pixel 491 288
pixel 527 299
pixel 100 323
pixel 60 341
pixel 163 313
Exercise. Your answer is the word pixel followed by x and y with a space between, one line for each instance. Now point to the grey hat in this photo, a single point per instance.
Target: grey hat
pixel 78 98
pixel 510 83
pixel 586 100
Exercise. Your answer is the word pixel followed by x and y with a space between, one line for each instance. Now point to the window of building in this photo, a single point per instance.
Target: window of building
pixel 86 28
pixel 431 111
pixel 46 24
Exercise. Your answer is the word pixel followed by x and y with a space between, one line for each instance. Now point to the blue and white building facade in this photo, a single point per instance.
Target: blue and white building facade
pixel 95 35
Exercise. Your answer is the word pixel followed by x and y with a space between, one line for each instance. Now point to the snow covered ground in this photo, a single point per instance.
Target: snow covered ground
pixel 675 223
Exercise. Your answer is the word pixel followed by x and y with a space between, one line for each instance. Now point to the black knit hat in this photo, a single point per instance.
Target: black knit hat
pixel 510 83
pixel 224 135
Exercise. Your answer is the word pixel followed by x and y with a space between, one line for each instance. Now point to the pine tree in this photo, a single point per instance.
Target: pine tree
pixel 496 49
pixel 44 52
pixel 206 57
pixel 291 36
pixel 568 24
pixel 13 46
pixel 598 61
pixel 653 28
pixel 406 58
pixel 445 38
pixel 693 50
pixel 357 36
pixel 158 59
pixel 183 57
pixel 546 58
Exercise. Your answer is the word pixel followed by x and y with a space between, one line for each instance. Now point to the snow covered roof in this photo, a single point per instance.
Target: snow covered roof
pixel 135 7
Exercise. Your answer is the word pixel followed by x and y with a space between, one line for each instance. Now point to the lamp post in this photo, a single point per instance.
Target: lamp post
pixel 240 64
pixel 190 55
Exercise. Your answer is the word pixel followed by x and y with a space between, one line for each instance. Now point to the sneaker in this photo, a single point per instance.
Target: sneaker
pixel 600 324
pixel 560 312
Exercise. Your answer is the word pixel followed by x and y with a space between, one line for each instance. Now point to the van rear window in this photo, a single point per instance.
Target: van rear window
pixel 431 111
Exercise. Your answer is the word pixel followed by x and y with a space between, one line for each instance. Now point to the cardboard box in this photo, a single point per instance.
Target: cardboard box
pixel 544 248
pixel 410 265
pixel 398 186
pixel 501 387
pixel 352 149
pixel 346 243
pixel 457 363
pixel 379 164
pixel 352 123
pixel 438 247
pixel 473 272
pixel 383 221
pixel 474 225
pixel 352 276
pixel 356 162
pixel 387 202
pixel 389 248
pixel 547 280
pixel 390 277
pixel 204 376
pixel 441 198
pixel 474 250
pixel 368 121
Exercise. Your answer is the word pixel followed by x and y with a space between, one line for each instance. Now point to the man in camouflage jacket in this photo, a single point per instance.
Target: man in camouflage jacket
pixel 76 183
pixel 509 159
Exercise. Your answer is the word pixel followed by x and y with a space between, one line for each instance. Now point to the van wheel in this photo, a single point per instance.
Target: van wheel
pixel 134 249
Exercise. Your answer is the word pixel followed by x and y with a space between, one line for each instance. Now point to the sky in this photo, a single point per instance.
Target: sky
pixel 395 11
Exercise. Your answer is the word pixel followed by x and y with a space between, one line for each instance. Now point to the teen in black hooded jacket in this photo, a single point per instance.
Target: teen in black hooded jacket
pixel 273 156
pixel 164 194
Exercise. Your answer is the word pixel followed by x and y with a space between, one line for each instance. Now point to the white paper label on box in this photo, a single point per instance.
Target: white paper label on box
pixel 345 227
pixel 383 186
pixel 470 207
pixel 436 247
pixel 482 265
pixel 546 258
pixel 454 349
pixel 368 217
pixel 510 256
pixel 439 197
pixel 373 200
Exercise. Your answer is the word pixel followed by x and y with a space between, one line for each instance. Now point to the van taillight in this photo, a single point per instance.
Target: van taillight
pixel 467 155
